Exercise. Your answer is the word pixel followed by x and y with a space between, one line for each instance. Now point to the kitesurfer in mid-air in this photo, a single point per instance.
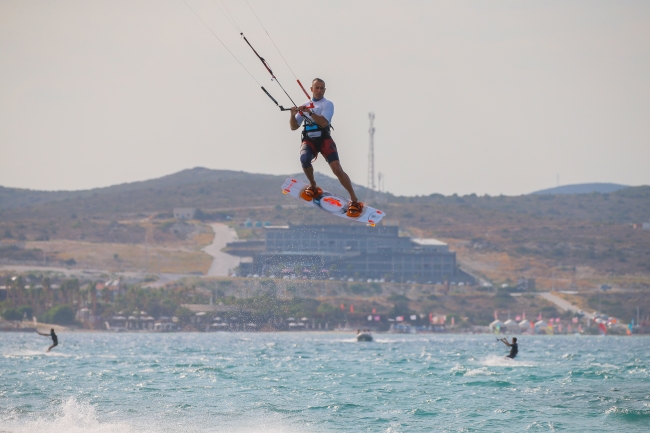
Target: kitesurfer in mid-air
pixel 55 339
pixel 317 117
pixel 514 348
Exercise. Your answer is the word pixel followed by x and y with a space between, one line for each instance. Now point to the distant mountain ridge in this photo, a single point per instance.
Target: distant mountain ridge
pixel 227 190
pixel 11 198
pixel 583 188
pixel 196 187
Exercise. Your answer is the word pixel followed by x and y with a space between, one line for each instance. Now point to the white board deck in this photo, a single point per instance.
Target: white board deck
pixel 332 203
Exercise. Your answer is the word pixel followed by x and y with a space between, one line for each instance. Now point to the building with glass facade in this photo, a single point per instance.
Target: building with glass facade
pixel 355 251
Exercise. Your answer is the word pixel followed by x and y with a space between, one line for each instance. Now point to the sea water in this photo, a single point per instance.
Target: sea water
pixel 322 382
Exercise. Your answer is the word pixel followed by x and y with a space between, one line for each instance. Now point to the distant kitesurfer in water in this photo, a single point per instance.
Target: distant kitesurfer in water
pixel 317 115
pixel 514 348
pixel 55 339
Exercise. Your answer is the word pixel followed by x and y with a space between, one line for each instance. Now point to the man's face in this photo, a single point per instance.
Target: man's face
pixel 318 89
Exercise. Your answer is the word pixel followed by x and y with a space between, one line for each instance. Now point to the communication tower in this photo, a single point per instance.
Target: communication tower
pixel 371 154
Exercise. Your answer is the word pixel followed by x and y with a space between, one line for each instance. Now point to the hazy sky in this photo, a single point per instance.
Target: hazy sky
pixel 470 97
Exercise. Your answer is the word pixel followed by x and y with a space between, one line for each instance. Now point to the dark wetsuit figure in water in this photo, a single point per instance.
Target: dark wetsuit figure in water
pixel 514 348
pixel 55 339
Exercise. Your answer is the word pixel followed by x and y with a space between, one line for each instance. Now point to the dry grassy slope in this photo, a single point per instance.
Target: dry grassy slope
pixel 505 237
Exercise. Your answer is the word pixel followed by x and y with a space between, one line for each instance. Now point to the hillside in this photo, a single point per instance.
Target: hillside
pixel 562 240
pixel 198 187
pixel 583 188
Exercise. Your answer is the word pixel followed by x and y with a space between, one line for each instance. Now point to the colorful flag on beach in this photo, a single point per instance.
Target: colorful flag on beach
pixel 518 318
pixel 574 320
pixel 523 316
pixel 496 315
pixel 351 308
pixel 452 321
pixel 602 329
pixel 539 316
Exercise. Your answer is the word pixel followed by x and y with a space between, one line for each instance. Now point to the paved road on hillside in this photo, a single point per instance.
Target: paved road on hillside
pixel 222 262
pixel 563 304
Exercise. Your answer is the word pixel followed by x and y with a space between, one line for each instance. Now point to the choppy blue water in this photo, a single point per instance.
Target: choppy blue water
pixel 235 382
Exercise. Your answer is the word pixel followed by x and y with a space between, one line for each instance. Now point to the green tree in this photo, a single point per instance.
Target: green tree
pixel 60 315
pixel 11 314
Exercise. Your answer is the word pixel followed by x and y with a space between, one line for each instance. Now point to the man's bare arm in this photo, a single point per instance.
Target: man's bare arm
pixel 317 118
pixel 293 123
pixel 320 120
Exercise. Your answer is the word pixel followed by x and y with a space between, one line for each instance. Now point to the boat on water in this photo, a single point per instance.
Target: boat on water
pixel 364 335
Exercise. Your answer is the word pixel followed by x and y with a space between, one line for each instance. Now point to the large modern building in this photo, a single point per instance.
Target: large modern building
pixel 355 251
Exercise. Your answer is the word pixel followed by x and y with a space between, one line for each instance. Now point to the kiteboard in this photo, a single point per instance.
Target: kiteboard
pixel 332 203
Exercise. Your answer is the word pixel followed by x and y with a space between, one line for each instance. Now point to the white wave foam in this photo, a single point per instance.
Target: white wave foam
pixel 75 417
pixel 502 361
pixel 483 371
pixel 80 417
pixel 400 340
pixel 32 353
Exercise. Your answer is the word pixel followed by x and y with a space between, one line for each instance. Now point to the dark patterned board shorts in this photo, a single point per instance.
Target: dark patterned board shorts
pixel 309 149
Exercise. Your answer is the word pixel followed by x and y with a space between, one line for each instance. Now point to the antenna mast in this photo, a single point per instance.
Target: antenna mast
pixel 371 154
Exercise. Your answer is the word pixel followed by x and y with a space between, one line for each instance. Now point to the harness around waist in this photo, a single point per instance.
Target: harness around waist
pixel 314 131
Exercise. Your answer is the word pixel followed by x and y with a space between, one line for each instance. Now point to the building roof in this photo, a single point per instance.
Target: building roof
pixel 428 242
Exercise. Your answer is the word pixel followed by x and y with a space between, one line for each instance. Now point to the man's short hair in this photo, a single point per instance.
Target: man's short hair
pixel 514 338
pixel 320 80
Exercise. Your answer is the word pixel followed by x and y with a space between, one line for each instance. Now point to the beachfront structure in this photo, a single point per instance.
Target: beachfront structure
pixel 497 325
pixel 355 251
pixel 541 326
pixel 524 325
pixel 511 326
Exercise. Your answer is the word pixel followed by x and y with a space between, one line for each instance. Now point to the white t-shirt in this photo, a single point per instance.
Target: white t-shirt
pixel 322 107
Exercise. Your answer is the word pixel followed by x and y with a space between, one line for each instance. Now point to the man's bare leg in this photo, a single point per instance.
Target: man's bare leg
pixel 343 178
pixel 309 172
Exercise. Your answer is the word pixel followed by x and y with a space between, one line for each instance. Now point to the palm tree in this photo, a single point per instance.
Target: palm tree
pixel 47 285
pixel 93 296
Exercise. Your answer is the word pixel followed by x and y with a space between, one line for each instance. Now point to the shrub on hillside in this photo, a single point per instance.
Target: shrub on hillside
pixel 59 315
pixel 19 313
pixel 11 314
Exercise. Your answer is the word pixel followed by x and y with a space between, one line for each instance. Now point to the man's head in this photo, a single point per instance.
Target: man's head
pixel 514 339
pixel 52 330
pixel 317 88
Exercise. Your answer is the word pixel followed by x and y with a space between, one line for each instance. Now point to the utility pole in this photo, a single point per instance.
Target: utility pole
pixel 371 154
